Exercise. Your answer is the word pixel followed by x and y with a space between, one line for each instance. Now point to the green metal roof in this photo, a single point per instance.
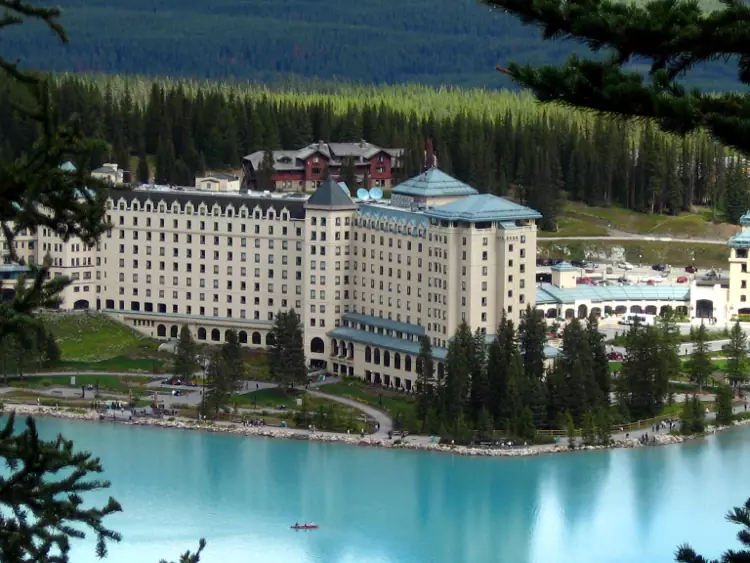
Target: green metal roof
pixel 433 183
pixel 484 207
pixel 398 215
pixel 741 239
pixel 386 324
pixel 745 219
pixel 68 167
pixel 550 294
pixel 383 341
pixel 565 267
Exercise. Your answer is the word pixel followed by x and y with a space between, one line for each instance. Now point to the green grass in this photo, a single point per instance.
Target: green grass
pixel 93 337
pixel 120 384
pixel 273 398
pixel 118 363
pixel 356 389
pixel 678 255
pixel 698 225
pixel 575 227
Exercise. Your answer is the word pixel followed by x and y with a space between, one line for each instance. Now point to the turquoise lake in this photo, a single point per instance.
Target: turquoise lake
pixel 380 506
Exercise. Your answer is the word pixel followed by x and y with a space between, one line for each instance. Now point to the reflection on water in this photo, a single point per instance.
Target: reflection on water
pixel 379 506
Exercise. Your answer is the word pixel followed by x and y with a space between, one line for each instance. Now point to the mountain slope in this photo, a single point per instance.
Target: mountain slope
pixel 434 42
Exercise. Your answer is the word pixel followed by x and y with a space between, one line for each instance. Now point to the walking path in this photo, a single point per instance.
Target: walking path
pixel 383 420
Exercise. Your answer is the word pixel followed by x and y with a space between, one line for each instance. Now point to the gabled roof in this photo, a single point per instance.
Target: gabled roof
pixel 330 195
pixel 434 183
pixel 484 207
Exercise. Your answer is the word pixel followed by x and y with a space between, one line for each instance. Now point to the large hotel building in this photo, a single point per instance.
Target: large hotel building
pixel 368 278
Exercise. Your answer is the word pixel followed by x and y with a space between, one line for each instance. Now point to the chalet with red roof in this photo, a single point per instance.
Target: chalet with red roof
pixel 305 169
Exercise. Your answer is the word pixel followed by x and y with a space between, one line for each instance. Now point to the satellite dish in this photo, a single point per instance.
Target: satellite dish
pixel 376 194
pixel 363 194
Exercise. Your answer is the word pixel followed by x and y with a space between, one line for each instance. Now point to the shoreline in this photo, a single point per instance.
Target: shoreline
pixel 70 413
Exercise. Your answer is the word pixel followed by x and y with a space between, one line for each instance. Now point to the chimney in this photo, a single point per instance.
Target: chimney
pixel 362 143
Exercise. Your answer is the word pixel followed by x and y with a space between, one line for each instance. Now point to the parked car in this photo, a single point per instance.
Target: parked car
pixel 659 267
pixel 579 263
pixel 625 266
pixel 614 356
pixel 555 261
pixel 542 261
pixel 682 279
pixel 691 269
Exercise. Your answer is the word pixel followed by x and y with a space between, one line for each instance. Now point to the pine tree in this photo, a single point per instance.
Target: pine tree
pixel 287 353
pixel 266 172
pixel 737 193
pixel 144 176
pixel 701 366
pixel 687 417
pixel 185 352
pixel 603 427
pixel 425 380
pixel 685 37
pixel 231 355
pixel 724 412
pixel 570 431
pixel 458 364
pixel 349 173
pixel 736 352
pixel 588 429
pixel 219 385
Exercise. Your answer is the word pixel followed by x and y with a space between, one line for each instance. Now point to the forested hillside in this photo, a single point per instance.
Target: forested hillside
pixel 501 143
pixel 386 41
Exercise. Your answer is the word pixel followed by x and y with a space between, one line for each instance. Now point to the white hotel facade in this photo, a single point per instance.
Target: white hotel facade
pixel 367 278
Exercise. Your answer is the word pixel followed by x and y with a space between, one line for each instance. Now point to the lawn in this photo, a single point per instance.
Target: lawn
pixel 399 407
pixel 575 227
pixel 678 255
pixel 272 398
pixel 118 384
pixel 683 225
pixel 93 337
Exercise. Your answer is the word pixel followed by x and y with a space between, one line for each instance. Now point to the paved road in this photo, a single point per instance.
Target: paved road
pixel 379 416
pixel 626 236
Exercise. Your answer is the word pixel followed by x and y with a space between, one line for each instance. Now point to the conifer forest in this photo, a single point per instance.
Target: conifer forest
pixel 499 142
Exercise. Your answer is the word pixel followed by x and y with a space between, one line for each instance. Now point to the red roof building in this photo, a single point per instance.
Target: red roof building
pixel 305 169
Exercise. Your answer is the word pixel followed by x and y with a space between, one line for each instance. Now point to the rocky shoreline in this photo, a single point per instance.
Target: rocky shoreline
pixel 292 434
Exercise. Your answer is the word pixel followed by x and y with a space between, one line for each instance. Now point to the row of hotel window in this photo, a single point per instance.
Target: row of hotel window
pixel 270 214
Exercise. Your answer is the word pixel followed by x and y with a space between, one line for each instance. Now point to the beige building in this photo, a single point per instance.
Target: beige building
pixel 108 173
pixel 218 182
pixel 368 278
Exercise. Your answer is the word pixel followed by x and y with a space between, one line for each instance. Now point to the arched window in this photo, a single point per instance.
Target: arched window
pixel 334 347
pixel 201 333
pixel 270 339
pixel 397 360
pixel 351 350
pixel 407 363
pixel 317 346
pixel 387 359
pixel 215 335
pixel 376 359
pixel 242 336
pixel 368 354
pixel 161 331
pixel 256 338
pixel 174 332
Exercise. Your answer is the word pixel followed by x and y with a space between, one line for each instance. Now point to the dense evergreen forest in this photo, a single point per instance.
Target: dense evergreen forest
pixel 532 153
pixel 390 41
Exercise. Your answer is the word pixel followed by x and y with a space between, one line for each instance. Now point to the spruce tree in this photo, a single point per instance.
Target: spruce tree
pixel 266 172
pixel 144 176
pixel 724 413
pixel 231 355
pixel 458 364
pixel 219 385
pixel 736 352
pixel 670 36
pixel 185 353
pixel 349 173
pixel 287 352
pixel 425 380
pixel 701 366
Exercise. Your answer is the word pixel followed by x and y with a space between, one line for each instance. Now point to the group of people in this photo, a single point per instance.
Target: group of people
pixel 256 422
pixel 669 424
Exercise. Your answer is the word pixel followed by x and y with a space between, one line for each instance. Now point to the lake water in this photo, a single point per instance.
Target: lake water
pixel 380 506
